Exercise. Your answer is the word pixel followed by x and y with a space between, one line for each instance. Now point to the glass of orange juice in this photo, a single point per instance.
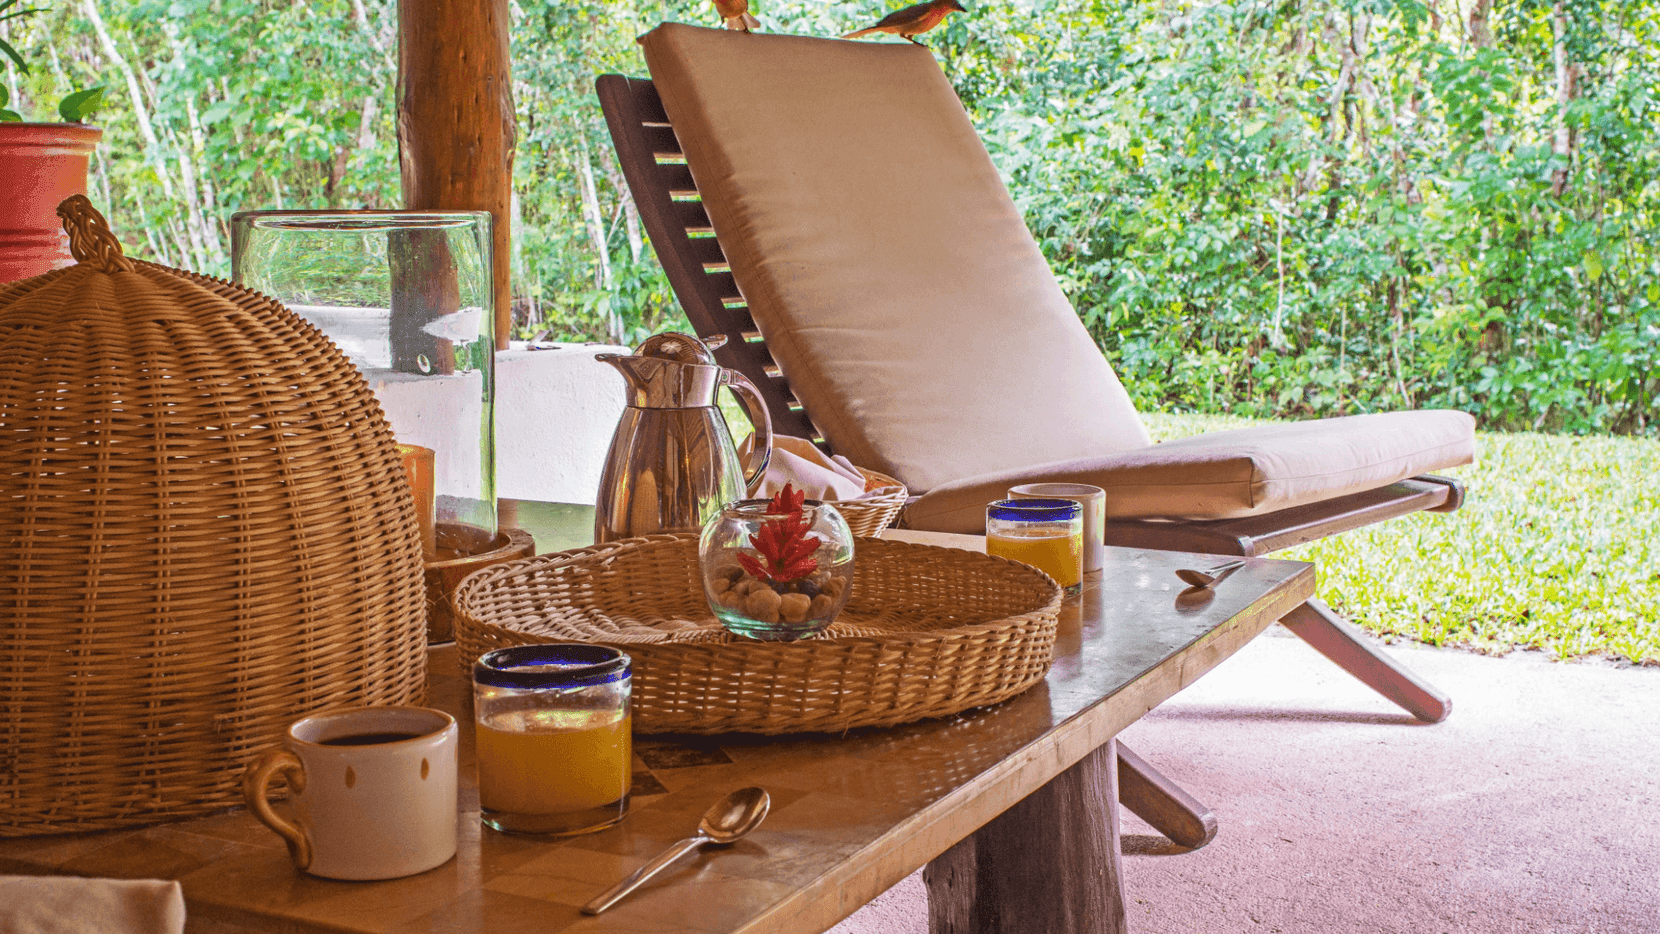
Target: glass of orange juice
pixel 553 738
pixel 1047 534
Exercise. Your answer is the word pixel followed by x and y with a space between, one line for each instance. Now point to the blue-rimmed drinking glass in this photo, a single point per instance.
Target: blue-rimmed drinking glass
pixel 1047 534
pixel 553 740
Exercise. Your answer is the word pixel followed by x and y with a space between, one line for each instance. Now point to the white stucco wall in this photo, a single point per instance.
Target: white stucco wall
pixel 556 409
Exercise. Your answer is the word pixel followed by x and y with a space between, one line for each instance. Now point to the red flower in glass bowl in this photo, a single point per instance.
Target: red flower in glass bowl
pixel 785 548
pixel 776 570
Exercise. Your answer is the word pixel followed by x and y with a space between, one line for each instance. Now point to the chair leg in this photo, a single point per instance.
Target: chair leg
pixel 1340 640
pixel 1162 803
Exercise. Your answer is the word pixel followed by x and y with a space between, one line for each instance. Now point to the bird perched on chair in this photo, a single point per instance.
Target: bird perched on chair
pixel 734 14
pixel 913 20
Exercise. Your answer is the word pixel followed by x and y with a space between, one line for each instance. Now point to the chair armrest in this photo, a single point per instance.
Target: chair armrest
pixel 1455 492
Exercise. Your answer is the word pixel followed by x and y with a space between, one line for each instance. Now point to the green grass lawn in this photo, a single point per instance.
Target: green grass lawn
pixel 1557 548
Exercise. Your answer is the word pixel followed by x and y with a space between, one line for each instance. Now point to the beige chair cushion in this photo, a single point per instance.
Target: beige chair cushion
pixel 893 278
pixel 897 286
pixel 1228 474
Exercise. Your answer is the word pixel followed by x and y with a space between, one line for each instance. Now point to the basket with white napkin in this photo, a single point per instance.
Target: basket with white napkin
pixel 868 500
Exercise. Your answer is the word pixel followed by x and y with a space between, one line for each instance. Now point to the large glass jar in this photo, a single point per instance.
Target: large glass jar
pixel 776 577
pixel 407 295
pixel 553 741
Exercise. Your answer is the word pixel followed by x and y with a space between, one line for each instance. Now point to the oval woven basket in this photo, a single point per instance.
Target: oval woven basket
pixel 205 534
pixel 870 514
pixel 926 632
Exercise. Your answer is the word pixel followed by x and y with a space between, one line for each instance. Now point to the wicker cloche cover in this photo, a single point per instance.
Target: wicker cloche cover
pixel 205 534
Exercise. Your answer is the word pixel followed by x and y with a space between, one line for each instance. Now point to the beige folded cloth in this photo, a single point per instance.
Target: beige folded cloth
pixel 71 905
pixel 799 462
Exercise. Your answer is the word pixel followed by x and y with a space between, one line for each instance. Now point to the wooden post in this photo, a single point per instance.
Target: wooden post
pixel 1048 864
pixel 456 127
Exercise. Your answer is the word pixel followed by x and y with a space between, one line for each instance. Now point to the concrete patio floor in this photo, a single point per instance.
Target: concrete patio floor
pixel 1532 810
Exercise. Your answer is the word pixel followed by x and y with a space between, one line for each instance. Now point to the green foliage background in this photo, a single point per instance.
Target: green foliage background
pixel 1292 208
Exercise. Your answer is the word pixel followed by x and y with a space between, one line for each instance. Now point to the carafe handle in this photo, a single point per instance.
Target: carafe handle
pixel 760 452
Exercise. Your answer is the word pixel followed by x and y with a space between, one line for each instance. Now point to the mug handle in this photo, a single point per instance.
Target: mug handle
pixel 256 777
pixel 760 452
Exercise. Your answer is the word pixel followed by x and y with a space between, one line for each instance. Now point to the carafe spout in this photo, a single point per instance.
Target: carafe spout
pixel 659 383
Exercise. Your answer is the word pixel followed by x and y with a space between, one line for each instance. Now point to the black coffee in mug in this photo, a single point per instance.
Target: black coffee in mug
pixel 368 739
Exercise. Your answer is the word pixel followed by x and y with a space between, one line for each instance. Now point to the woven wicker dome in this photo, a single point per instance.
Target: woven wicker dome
pixel 204 534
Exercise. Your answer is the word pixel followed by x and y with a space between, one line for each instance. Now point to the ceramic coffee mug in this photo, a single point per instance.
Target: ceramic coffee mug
pixel 1094 501
pixel 373 790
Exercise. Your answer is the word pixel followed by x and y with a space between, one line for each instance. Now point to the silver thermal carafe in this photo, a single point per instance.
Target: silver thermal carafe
pixel 672 463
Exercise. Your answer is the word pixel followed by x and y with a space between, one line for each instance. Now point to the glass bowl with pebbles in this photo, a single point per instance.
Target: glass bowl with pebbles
pixel 777 570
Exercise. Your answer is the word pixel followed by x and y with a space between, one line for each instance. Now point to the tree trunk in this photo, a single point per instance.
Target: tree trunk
pixel 157 247
pixel 1339 128
pixel 594 218
pixel 1481 30
pixel 425 287
pixel 11 74
pixel 456 123
pixel 195 223
pixel 204 209
pixel 366 124
pixel 141 111
pixel 630 212
pixel 1567 88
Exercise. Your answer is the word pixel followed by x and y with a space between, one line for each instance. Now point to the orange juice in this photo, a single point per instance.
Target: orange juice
pixel 1057 552
pixel 418 467
pixel 553 761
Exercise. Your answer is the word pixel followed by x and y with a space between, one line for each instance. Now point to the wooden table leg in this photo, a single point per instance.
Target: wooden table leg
pixel 1339 640
pixel 1162 803
pixel 1048 865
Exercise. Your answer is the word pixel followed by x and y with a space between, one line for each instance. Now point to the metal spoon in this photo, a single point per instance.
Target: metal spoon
pixel 1211 577
pixel 728 821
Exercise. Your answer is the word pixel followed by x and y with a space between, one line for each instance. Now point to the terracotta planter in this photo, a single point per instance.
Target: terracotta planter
pixel 40 165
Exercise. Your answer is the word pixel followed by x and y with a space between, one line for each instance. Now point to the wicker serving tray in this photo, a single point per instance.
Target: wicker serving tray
pixel 926 632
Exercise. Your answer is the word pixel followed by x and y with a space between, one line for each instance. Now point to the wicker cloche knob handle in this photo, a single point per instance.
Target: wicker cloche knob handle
pixel 90 239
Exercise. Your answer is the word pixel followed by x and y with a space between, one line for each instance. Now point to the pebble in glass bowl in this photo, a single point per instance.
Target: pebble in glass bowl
pixel 777 570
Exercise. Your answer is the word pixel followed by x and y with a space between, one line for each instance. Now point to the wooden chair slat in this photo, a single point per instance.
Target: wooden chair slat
pixel 670 209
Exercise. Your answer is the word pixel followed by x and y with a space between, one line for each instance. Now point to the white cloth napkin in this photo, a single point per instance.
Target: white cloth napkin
pixel 71 905
pixel 798 461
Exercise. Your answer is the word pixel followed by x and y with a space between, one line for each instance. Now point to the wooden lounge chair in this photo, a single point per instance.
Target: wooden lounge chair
pixel 878 284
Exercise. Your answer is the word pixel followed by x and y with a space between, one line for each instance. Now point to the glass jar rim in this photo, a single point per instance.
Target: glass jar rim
pixel 1034 510
pixel 364 221
pixel 757 508
pixel 551 665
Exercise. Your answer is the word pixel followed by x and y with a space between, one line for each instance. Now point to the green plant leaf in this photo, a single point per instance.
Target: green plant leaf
pixel 1593 265
pixel 79 105
pixel 6 47
pixel 16 13
pixel 11 53
pixel 10 116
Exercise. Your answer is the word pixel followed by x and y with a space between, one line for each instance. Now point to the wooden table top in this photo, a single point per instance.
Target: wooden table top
pixel 852 814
